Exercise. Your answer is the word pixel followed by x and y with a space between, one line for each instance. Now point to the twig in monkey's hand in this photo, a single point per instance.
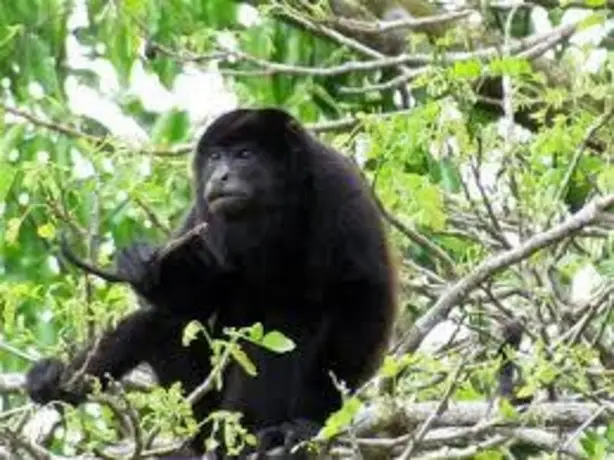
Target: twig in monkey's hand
pixel 159 257
pixel 85 266
pixel 197 234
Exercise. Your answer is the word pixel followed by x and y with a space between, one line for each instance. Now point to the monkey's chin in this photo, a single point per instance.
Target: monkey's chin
pixel 229 204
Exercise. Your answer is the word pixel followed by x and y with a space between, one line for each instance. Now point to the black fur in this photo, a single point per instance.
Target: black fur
pixel 510 378
pixel 307 256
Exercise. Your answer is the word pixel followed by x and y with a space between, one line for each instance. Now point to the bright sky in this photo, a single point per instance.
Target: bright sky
pixel 200 92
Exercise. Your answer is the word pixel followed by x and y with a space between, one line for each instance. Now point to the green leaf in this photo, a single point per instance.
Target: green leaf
pixel 449 176
pixel 170 127
pixel 190 332
pixel 588 443
pixel 12 230
pixel 467 69
pixel 593 19
pixel 11 138
pixel 250 439
pixel 277 342
pixel 241 357
pixel 605 178
pixel 38 65
pixel 525 391
pixel 7 176
pixel 489 455
pixel 392 366
pixel 424 201
pixel 606 268
pixel 507 410
pixel 340 419
pixel 256 332
pixel 46 231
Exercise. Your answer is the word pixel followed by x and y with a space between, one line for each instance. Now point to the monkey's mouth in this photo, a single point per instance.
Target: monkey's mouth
pixel 227 201
pixel 227 197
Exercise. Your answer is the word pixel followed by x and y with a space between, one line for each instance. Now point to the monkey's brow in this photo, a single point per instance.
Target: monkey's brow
pixel 228 146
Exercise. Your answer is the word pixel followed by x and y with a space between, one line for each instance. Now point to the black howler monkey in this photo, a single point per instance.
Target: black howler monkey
pixel 283 231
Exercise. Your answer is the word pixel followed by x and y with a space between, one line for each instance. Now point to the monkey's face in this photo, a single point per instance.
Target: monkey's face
pixel 238 179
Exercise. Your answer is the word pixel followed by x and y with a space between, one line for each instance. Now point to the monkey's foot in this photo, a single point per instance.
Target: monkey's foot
pixel 280 441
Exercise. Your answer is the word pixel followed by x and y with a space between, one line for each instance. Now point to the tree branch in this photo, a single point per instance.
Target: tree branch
pixel 454 294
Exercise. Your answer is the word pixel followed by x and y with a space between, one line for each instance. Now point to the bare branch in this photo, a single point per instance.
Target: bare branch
pixel 587 215
pixel 565 414
pixel 378 27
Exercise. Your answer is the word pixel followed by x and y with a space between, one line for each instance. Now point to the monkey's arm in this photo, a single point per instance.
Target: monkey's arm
pixel 134 340
pixel 191 247
pixel 139 336
pixel 187 280
pixel 185 276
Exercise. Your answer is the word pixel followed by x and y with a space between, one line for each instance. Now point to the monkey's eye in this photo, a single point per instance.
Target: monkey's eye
pixel 244 154
pixel 215 155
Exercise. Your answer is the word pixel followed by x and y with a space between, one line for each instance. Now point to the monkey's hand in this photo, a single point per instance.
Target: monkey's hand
pixel 141 265
pixel 168 276
pixel 45 383
pixel 201 248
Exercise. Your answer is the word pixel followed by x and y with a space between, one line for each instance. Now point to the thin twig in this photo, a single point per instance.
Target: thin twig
pixel 587 215
pixel 378 27
pixel 406 455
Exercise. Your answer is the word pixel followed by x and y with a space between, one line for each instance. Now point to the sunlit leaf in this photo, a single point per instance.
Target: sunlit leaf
pixel 12 230
pixel 340 419
pixel 46 231
pixel 277 342
pixel 190 332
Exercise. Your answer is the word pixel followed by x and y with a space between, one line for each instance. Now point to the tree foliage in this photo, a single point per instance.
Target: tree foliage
pixel 485 130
